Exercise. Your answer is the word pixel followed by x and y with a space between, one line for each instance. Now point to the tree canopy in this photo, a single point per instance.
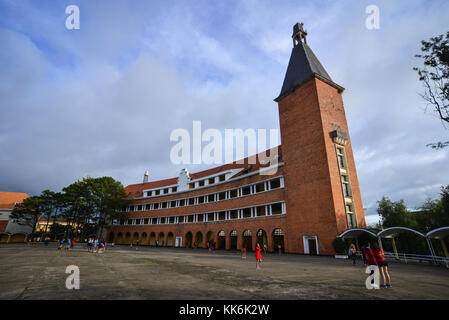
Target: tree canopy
pixel 434 75
pixel 86 206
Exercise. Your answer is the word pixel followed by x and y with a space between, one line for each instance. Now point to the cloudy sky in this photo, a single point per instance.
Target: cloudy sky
pixel 103 100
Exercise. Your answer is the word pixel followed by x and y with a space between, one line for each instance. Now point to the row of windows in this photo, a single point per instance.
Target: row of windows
pixel 192 185
pixel 242 213
pixel 262 186
pixel 346 186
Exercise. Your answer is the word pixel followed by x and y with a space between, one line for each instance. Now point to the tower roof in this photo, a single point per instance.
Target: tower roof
pixel 303 65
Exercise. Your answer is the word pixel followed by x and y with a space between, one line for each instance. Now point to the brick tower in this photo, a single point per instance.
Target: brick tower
pixel 321 186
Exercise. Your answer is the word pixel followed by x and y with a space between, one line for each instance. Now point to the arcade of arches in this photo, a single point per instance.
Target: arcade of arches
pixel 231 240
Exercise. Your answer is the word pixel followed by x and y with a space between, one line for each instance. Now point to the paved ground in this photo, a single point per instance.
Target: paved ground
pixel 167 273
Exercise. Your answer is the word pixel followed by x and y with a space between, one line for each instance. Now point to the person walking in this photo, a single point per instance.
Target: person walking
pixel 379 255
pixel 244 252
pixel 265 248
pixel 352 253
pixel 258 256
pixel 90 244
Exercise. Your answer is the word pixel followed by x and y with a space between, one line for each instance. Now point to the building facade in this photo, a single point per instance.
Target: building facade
pixel 9 230
pixel 296 198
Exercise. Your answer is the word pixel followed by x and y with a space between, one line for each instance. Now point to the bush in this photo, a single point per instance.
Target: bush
pixel 340 246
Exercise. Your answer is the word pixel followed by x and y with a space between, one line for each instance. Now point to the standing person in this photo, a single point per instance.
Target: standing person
pixel 244 252
pixel 369 255
pixel 73 243
pixel 90 244
pixel 279 249
pixel 137 244
pixel 213 247
pixel 379 255
pixel 96 245
pixel 265 248
pixel 67 244
pixel 352 253
pixel 258 256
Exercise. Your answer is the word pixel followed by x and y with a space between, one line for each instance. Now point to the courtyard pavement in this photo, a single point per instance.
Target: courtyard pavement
pixel 38 272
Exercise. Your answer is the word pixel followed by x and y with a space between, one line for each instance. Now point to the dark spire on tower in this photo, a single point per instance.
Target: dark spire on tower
pixel 303 65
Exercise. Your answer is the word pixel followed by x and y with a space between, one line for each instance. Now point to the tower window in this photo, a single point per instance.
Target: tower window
pixel 247 213
pixel 246 190
pixel 275 183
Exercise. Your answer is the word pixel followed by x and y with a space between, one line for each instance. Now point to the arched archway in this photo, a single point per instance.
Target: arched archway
pixel 18 237
pixel 221 240
pixel 161 239
pixel 152 239
pixel 278 240
pixel 120 238
pixel 170 239
pixel 128 238
pixel 144 238
pixel 111 237
pixel 189 240
pixel 199 239
pixel 210 238
pixel 234 238
pixel 262 238
pixel 4 237
pixel 247 240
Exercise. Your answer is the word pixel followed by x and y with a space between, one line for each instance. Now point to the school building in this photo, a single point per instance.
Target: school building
pixel 311 197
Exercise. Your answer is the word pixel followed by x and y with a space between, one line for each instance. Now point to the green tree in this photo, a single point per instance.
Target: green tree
pixel 428 216
pixel 108 197
pixel 394 214
pixel 444 217
pixel 93 202
pixel 28 212
pixel 435 78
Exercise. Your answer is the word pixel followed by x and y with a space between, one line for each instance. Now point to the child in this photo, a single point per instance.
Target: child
pixel 352 253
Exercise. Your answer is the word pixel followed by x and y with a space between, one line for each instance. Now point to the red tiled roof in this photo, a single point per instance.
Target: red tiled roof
pixel 8 199
pixel 253 161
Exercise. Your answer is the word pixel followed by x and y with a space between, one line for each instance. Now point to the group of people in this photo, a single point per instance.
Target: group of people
pixel 258 254
pixel 372 254
pixel 211 245
pixel 96 245
pixel 66 243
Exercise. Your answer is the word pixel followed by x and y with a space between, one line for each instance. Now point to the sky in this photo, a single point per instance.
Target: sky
pixel 103 100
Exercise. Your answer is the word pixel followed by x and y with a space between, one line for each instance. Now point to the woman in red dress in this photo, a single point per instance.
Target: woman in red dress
pixel 258 256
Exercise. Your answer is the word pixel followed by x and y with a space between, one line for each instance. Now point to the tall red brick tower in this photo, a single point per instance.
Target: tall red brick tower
pixel 321 186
